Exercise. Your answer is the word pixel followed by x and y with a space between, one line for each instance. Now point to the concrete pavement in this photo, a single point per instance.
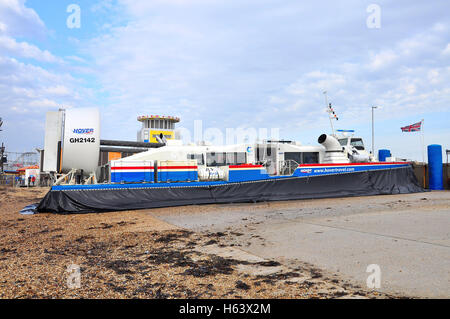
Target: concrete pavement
pixel 408 236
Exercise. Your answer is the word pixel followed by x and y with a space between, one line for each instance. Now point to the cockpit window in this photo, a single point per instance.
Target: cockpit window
pixel 343 141
pixel 357 143
pixel 198 157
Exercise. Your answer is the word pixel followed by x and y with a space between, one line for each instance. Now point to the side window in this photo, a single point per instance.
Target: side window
pixel 231 160
pixel 259 154
pixel 198 157
pixel 310 158
pixel 236 158
pixel 215 159
pixel 294 156
pixel 241 158
pixel 357 143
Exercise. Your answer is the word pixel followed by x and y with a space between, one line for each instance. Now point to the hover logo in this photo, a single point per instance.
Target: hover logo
pixel 83 131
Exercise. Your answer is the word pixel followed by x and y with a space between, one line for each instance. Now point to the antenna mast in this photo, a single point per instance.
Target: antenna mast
pixel 328 108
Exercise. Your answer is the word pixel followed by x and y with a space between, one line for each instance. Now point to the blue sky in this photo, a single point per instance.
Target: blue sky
pixel 232 64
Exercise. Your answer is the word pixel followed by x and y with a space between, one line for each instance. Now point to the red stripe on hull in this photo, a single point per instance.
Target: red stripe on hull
pixel 177 167
pixel 246 166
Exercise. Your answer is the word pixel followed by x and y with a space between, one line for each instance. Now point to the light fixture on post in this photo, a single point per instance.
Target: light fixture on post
pixel 373 130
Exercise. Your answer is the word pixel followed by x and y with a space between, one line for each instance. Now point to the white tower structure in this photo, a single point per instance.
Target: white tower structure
pixel 155 125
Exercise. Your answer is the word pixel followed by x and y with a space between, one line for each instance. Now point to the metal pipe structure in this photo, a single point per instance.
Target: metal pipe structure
pixel 122 149
pixel 130 144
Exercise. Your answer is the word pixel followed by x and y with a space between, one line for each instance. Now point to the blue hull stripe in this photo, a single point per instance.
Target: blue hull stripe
pixel 134 177
pixel 247 175
pixel 327 170
pixel 177 176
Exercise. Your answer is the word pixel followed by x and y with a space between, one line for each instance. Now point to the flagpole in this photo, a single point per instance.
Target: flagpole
pixel 423 142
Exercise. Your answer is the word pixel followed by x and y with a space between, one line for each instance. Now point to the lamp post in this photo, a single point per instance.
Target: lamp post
pixel 2 152
pixel 373 131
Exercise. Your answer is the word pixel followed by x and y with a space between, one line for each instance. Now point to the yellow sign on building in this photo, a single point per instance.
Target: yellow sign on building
pixel 169 135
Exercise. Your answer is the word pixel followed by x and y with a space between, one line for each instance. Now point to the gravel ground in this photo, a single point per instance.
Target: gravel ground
pixel 135 255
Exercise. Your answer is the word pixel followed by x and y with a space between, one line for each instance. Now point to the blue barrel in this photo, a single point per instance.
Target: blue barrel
pixel 435 167
pixel 383 154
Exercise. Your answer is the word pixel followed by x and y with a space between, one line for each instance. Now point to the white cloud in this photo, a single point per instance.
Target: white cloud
pixel 410 50
pixel 410 88
pixel 276 100
pixel 434 76
pixel 58 90
pixel 402 92
pixel 102 5
pixel 382 60
pixel 24 87
pixel 412 45
pixel 142 8
pixel 9 46
pixel 3 28
pixel 28 88
pixel 446 50
pixel 76 59
pixel 43 103
pixel 440 27
pixel 18 20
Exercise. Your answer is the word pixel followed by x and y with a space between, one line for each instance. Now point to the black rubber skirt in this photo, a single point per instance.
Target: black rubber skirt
pixel 375 182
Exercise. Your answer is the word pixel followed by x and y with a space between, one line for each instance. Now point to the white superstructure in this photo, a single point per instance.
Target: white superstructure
pixel 278 157
pixel 354 147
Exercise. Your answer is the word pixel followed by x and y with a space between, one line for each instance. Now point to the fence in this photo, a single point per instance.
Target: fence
pixel 7 180
pixel 421 172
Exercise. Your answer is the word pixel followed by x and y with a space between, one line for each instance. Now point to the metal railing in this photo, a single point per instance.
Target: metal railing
pixel 287 167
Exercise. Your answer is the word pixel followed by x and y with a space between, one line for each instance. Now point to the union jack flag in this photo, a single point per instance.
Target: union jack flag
pixel 412 128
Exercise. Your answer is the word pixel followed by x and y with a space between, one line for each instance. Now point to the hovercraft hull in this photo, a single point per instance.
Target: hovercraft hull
pixel 120 197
